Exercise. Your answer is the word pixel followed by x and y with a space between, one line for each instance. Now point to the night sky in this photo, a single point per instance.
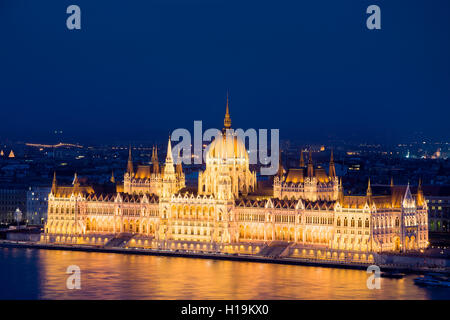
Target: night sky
pixel 139 69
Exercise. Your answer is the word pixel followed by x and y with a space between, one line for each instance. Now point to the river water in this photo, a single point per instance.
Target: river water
pixel 41 274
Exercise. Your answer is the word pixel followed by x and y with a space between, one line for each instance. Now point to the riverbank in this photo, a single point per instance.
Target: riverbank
pixel 219 256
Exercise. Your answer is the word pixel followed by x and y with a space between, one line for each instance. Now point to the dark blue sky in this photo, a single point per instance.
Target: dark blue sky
pixel 138 69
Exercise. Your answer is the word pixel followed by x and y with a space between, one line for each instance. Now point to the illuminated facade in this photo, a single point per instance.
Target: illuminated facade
pixel 307 215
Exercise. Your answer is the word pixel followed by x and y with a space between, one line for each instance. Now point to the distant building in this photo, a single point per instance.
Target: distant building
pixel 37 204
pixel 11 198
pixel 438 200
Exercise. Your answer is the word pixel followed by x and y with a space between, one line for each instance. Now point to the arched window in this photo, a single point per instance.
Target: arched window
pixel 352 223
pixel 397 222
pixel 367 223
pixel 345 222
pixel 359 223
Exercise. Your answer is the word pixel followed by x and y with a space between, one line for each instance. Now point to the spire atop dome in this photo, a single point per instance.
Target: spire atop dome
pixel 227 120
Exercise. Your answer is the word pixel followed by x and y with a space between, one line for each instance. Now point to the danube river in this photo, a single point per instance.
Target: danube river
pixel 41 274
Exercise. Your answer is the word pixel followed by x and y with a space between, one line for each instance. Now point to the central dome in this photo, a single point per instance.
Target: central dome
pixel 227 146
pixel 227 173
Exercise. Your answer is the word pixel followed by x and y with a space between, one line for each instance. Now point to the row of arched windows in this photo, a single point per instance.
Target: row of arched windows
pixel 319 220
pixel 257 217
pixel 62 210
pixel 386 222
pixel 353 222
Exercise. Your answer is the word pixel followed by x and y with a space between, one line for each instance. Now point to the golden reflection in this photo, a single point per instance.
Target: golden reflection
pixel 118 276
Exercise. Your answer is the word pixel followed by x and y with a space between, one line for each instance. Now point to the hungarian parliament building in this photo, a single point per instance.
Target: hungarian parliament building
pixel 304 214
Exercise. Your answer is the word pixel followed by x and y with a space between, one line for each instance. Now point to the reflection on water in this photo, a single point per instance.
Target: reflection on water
pixel 41 274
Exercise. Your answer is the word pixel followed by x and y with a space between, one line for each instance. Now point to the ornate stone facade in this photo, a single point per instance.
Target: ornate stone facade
pixel 307 215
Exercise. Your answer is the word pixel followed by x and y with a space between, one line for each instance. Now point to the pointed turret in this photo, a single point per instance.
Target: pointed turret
pixel 332 169
pixel 281 170
pixel 420 197
pixel 310 165
pixel 408 200
pixel 179 167
pixel 112 179
pixel 168 166
pixel 341 191
pixel 155 161
pixel 170 179
pixel 302 161
pixel 369 189
pixel 369 193
pixel 227 120
pixel 408 194
pixel 54 183
pixel 76 184
pixel 169 156
pixel 130 163
pixel 392 182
